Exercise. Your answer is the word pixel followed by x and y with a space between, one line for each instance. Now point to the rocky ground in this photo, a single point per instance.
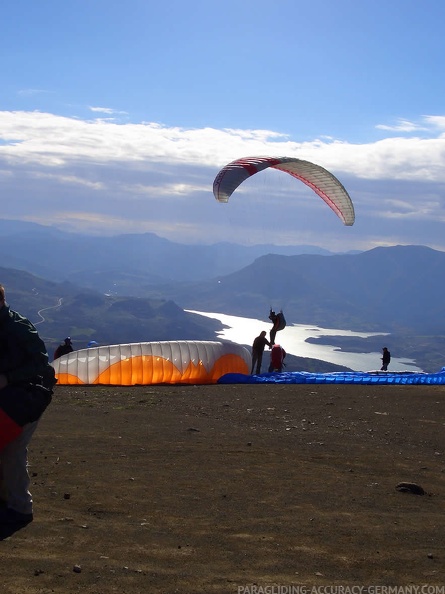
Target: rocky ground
pixel 224 489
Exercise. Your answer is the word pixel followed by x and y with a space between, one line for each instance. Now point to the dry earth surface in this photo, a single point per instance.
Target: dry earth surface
pixel 232 488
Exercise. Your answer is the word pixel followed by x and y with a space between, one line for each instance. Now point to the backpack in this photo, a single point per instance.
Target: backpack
pixel 281 321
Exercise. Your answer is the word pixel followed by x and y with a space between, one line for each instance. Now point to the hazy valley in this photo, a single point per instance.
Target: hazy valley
pixel 135 287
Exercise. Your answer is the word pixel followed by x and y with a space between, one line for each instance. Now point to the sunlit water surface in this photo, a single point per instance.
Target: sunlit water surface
pixel 292 339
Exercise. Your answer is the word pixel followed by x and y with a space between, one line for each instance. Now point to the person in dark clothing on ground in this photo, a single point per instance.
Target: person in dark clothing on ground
pixel 277 355
pixel 64 348
pixel 386 359
pixel 257 352
pixel 26 385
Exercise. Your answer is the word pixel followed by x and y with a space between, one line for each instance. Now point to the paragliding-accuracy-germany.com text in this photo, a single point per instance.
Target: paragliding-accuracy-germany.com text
pixel 339 589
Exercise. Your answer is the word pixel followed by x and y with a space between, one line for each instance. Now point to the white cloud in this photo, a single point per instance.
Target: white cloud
pixel 107 110
pixel 167 189
pixel 147 176
pixel 402 126
pixel 56 141
pixel 31 92
pixel 435 121
pixel 427 123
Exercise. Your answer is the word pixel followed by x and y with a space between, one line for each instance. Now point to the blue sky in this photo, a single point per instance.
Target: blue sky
pixel 116 116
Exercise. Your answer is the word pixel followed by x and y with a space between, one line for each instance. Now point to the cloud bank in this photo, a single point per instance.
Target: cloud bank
pixel 106 175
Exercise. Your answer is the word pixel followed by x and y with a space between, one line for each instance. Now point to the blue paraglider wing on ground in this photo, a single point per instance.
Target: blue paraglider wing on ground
pixel 338 377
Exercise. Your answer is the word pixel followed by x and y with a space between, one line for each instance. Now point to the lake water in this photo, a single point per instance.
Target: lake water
pixel 293 339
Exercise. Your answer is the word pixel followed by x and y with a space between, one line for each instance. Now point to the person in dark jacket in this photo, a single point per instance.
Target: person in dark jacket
pixel 257 352
pixel 273 317
pixel 26 385
pixel 386 359
pixel 64 348
pixel 278 323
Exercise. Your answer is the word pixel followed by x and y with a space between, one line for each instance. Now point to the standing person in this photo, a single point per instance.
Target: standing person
pixel 277 355
pixel 26 385
pixel 386 359
pixel 257 351
pixel 64 348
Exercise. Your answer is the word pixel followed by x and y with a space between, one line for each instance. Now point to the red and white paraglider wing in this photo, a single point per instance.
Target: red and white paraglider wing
pixel 320 180
pixel 324 183
pixel 233 174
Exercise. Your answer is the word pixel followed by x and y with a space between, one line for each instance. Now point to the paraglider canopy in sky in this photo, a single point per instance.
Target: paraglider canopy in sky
pixel 324 183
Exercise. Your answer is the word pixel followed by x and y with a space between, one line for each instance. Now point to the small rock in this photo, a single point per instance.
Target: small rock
pixel 410 488
pixel 77 569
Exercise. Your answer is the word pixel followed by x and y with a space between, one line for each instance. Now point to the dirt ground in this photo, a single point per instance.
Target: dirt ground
pixel 232 488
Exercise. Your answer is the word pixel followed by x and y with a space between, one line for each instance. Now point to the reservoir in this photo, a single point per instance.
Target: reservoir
pixel 293 340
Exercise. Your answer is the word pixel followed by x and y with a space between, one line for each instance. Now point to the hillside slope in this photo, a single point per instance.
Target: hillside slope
pixel 398 288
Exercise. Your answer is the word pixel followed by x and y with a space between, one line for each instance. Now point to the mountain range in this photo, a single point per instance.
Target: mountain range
pixel 136 287
pixel 393 289
pixel 121 264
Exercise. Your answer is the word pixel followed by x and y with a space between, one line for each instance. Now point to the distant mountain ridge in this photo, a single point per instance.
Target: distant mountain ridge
pixel 385 289
pixel 394 288
pixel 397 290
pixel 61 309
pixel 120 264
